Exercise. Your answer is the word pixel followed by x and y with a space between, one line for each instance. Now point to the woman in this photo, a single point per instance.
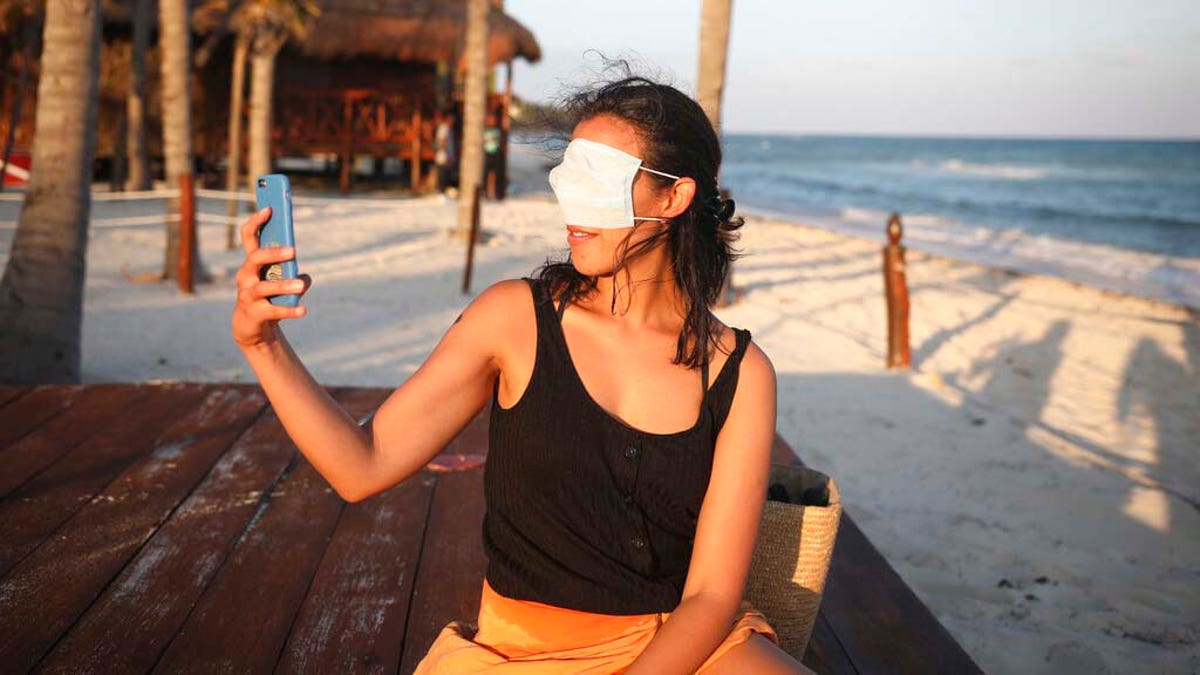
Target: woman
pixel 630 429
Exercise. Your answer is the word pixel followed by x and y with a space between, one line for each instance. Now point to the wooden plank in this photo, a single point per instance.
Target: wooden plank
pixel 825 653
pixel 241 622
pixel 53 586
pixel 22 415
pixel 93 411
pixel 10 392
pixel 45 502
pixel 142 610
pixel 355 615
pixel 450 574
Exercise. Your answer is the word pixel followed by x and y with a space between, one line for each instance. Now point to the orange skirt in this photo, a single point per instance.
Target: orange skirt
pixel 530 638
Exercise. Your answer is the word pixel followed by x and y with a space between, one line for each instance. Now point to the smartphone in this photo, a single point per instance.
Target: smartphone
pixel 275 191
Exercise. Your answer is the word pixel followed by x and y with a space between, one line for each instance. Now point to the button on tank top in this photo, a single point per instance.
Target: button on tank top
pixel 582 510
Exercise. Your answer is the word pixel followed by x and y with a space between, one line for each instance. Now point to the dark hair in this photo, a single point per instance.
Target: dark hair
pixel 677 138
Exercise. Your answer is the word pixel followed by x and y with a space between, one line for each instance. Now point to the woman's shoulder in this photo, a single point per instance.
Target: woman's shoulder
pixel 753 358
pixel 506 300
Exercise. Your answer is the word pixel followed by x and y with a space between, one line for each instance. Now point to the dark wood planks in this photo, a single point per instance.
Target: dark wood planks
pixel 21 414
pixel 355 615
pixel 53 586
pixel 141 611
pixel 247 561
pixel 452 566
pixel 46 501
pixel 825 653
pixel 243 618
pixel 10 392
pixel 87 414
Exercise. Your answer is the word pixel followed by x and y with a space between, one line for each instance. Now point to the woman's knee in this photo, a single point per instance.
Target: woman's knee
pixel 756 655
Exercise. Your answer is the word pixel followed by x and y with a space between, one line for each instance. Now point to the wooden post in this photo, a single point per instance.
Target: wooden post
pixel 347 143
pixel 475 198
pixel 505 128
pixel 187 232
pixel 415 168
pixel 895 284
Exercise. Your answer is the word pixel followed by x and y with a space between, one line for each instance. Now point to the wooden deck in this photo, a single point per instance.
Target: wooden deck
pixel 176 528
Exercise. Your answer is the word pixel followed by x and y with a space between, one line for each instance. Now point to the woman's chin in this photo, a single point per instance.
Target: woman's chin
pixel 589 269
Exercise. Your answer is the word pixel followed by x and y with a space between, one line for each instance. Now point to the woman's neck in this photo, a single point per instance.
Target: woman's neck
pixel 647 295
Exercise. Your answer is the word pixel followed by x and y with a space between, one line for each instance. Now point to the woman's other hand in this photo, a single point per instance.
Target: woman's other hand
pixel 255 320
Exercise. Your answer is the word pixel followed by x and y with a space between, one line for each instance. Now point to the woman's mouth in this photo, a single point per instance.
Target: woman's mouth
pixel 575 235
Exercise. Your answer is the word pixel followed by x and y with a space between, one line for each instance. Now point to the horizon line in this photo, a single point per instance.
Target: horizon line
pixel 966 136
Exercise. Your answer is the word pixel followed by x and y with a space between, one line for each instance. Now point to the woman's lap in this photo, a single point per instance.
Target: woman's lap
pixel 527 638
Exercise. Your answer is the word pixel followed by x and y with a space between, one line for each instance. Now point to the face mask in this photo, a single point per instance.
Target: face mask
pixel 594 185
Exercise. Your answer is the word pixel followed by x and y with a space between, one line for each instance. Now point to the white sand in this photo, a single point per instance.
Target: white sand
pixel 1035 478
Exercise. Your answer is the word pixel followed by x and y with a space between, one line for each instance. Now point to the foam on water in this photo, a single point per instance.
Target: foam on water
pixel 1123 215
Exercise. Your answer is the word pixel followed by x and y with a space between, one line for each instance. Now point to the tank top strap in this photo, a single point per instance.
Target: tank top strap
pixel 720 397
pixel 552 350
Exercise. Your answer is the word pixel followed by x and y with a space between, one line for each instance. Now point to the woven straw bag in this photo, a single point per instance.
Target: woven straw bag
pixel 791 558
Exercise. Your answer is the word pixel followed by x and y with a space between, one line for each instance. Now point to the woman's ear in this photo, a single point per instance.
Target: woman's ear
pixel 680 197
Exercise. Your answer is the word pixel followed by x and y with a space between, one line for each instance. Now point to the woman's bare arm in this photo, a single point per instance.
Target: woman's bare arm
pixel 411 426
pixel 726 530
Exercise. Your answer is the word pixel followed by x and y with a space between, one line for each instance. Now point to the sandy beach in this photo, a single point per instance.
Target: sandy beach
pixel 1034 477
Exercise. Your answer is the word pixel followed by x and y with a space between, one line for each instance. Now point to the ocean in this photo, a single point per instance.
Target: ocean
pixel 1123 215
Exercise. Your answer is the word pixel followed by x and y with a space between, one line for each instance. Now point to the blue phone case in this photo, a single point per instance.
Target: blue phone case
pixel 275 191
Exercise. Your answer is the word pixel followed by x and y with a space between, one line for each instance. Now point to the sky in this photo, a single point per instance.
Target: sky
pixel 1020 68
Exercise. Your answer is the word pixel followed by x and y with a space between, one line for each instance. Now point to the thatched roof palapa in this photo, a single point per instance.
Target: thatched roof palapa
pixel 411 30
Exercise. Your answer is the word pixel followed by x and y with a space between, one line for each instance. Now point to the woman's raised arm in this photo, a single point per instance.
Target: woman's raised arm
pixel 410 427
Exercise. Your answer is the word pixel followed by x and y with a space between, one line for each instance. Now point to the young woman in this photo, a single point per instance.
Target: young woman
pixel 630 430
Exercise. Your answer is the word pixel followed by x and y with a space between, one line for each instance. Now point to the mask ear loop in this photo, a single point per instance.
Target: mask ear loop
pixel 661 173
pixel 613 306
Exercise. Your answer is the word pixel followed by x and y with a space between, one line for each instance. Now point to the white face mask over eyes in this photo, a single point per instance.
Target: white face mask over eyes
pixel 594 185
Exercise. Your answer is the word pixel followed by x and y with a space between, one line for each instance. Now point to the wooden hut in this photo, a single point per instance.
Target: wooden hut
pixel 369 80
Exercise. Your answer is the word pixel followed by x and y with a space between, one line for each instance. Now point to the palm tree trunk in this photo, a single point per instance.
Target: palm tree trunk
pixel 262 82
pixel 475 94
pixel 233 168
pixel 710 85
pixel 174 44
pixel 714 47
pixel 41 293
pixel 136 153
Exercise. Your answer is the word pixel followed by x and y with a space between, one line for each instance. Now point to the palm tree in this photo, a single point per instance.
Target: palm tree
pixel 714 46
pixel 710 83
pixel 174 48
pixel 475 101
pixel 233 170
pixel 137 155
pixel 266 25
pixel 41 293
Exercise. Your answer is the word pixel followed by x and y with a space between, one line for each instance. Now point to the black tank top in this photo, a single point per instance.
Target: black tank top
pixel 582 510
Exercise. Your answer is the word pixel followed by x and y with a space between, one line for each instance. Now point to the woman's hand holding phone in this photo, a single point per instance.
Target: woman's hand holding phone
pixel 255 319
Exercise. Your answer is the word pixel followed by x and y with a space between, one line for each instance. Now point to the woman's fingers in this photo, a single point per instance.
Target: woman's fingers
pixel 266 289
pixel 270 254
pixel 250 227
pixel 307 284
pixel 251 270
pixel 260 310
